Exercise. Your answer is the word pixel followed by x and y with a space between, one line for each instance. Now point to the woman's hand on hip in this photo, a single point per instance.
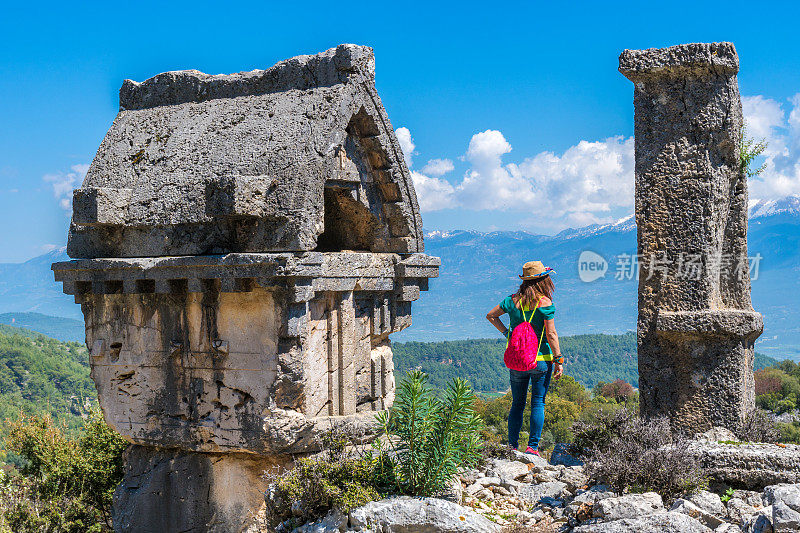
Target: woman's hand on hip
pixel 558 370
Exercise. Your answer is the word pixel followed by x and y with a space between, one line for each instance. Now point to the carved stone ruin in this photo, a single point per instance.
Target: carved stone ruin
pixel 696 325
pixel 244 245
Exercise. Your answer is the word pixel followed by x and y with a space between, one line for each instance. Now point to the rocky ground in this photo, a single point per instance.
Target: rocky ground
pixel 529 494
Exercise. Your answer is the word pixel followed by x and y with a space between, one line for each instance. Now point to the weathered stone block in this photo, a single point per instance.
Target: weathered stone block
pixel 238 196
pixel 101 205
pixel 259 169
pixel 216 491
pixel 747 465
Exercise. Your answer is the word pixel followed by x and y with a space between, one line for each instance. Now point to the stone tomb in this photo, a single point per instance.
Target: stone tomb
pixel 244 245
pixel 696 325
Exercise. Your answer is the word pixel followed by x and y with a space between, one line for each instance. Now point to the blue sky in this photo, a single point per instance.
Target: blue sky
pixel 520 98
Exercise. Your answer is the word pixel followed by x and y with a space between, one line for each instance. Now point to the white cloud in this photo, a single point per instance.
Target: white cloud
pixel 588 183
pixel 489 184
pixel 64 182
pixel 433 193
pixel 438 167
pixel 766 119
pixel 486 148
pixel 406 144
pixel 591 182
pixel 762 115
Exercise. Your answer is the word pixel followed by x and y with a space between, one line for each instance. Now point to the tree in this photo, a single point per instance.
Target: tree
pixel 618 390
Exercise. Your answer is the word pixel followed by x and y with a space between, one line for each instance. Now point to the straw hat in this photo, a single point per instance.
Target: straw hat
pixel 535 269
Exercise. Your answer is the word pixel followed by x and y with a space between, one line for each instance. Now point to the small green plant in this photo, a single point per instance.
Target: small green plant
pixel 727 495
pixel 749 150
pixel 430 438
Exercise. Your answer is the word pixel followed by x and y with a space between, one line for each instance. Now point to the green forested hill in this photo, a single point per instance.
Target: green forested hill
pixel 42 375
pixel 589 359
pixel 39 374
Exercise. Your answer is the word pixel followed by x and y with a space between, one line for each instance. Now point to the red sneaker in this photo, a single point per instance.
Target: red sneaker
pixel 532 451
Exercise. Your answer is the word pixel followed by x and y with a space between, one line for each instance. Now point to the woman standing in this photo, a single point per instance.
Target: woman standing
pixel 533 303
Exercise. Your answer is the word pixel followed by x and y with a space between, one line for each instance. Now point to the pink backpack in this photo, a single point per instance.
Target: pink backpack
pixel 523 344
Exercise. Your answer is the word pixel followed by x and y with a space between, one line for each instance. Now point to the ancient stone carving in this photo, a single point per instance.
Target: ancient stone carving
pixel 696 324
pixel 244 246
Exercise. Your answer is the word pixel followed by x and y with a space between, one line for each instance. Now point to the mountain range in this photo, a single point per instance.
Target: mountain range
pixel 480 268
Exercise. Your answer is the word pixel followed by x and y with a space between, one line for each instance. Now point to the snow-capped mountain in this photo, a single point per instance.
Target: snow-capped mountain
pixel 789 205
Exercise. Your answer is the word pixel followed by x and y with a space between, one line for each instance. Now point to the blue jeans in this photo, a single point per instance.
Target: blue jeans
pixel 539 376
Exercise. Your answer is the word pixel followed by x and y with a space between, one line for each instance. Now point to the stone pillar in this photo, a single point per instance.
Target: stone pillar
pixel 696 324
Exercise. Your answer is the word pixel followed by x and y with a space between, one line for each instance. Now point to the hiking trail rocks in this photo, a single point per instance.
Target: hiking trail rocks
pixel 530 492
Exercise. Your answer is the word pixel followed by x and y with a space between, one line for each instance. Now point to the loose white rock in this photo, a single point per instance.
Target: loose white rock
pixel 739 511
pixel 534 493
pixel 507 469
pixel 655 523
pixel 689 508
pixel 784 518
pixel 785 492
pixel 759 523
pixel 431 515
pixel 628 506
pixel 708 502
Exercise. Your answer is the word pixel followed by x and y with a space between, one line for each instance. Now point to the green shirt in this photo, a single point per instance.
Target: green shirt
pixel 541 314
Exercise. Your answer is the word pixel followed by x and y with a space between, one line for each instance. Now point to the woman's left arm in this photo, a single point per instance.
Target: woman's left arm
pixel 552 340
pixel 493 316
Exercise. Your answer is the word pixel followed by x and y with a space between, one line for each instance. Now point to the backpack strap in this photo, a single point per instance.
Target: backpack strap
pixel 541 337
pixel 533 313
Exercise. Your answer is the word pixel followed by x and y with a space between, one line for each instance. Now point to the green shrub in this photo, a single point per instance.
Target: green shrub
pixel 749 150
pixel 567 388
pixel 315 486
pixel 548 440
pixel 559 415
pixel 789 432
pixel 66 485
pixel 431 438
